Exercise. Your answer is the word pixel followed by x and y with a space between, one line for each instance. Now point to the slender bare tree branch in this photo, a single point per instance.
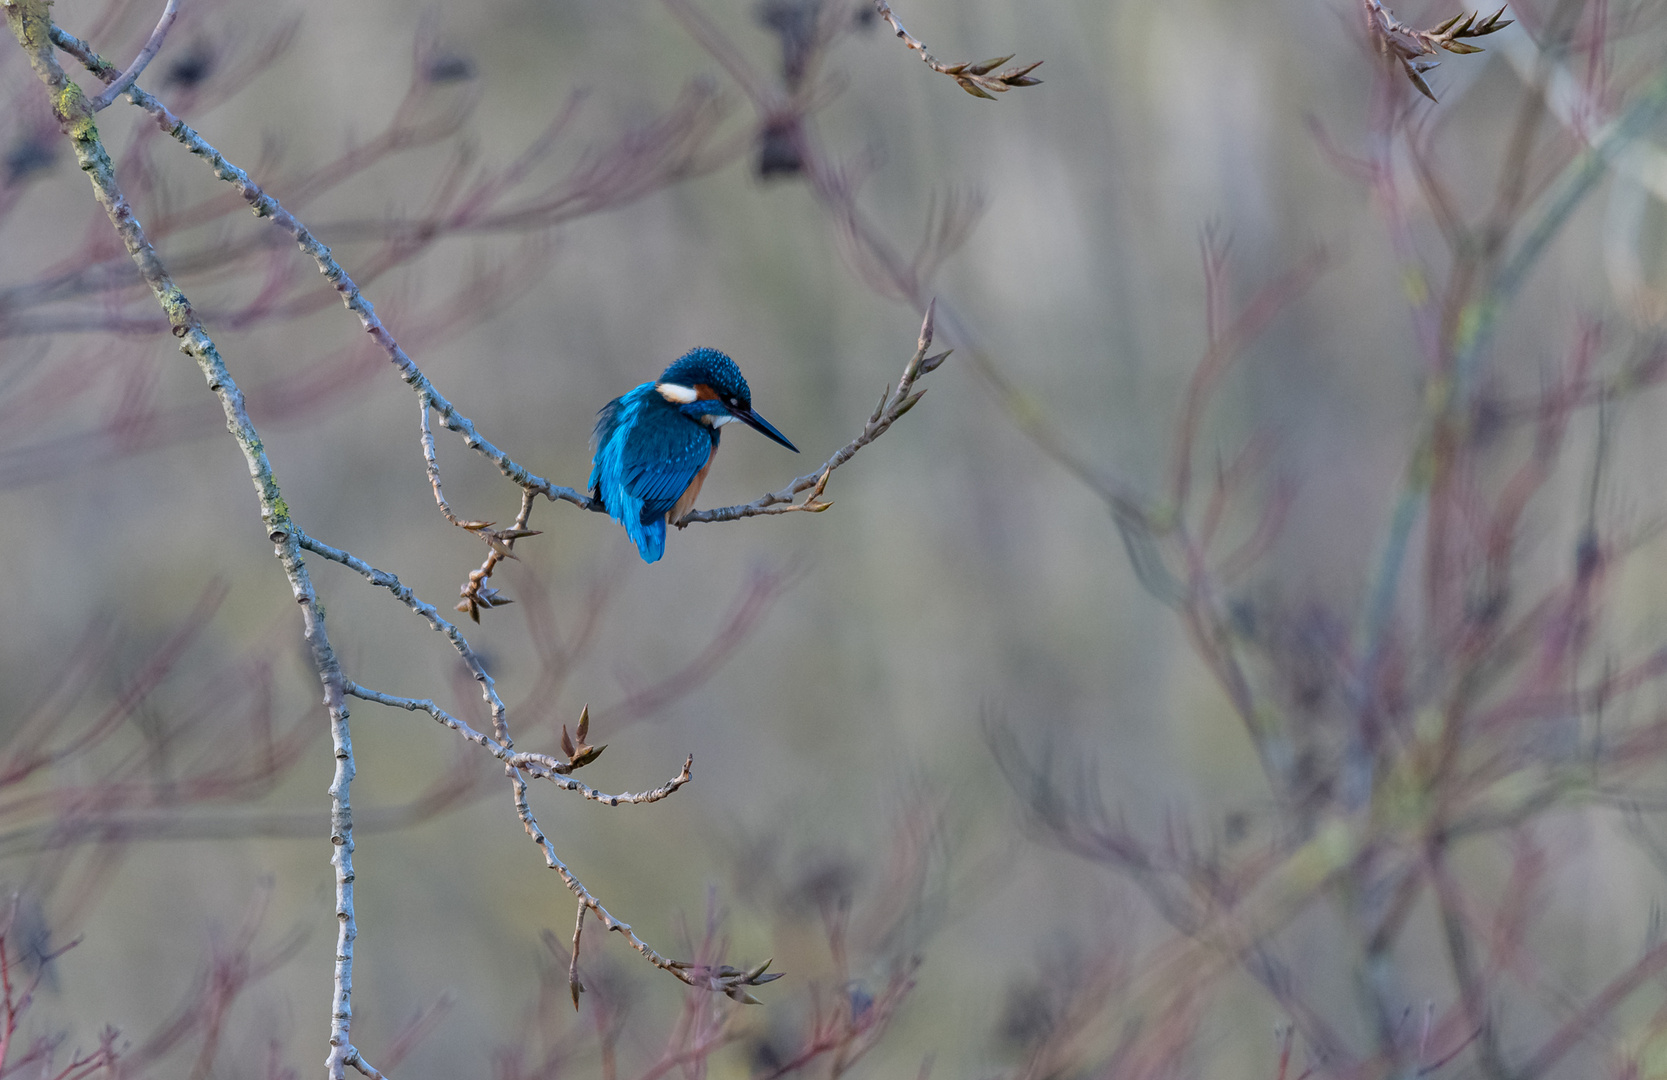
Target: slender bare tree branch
pixel 152 47
pixel 31 25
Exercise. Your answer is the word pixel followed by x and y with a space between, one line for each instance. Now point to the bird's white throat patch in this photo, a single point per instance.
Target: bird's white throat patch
pixel 716 419
pixel 680 395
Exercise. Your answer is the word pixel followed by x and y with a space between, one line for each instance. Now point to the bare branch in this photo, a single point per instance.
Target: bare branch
pixel 365 1068
pixel 152 46
pixel 430 613
pixel 265 206
pixel 31 23
pixel 727 980
pixel 540 766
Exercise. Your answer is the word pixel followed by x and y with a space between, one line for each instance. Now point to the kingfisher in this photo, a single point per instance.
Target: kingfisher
pixel 653 446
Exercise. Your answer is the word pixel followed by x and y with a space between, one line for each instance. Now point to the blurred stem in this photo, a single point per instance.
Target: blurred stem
pixel 31 23
pixel 1568 191
pixel 1461 956
pixel 1513 171
pixel 1448 395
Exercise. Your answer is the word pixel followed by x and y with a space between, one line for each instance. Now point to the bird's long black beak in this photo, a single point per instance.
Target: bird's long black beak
pixel 758 423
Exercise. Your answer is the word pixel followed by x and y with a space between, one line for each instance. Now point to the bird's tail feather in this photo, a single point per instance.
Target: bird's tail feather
pixel 650 537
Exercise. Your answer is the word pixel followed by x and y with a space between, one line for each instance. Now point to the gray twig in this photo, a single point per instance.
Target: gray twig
pixel 357 1060
pixel 264 205
pixel 727 980
pixel 540 766
pixel 975 79
pixel 152 47
pixel 31 23
pixel 384 580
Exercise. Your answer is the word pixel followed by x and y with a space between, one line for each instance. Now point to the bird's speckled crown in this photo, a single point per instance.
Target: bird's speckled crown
pixel 711 367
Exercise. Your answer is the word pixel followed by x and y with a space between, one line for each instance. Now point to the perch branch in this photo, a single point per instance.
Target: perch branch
pixel 893 404
pixel 265 206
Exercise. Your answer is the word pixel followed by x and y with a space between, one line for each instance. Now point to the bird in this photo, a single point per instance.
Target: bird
pixel 654 445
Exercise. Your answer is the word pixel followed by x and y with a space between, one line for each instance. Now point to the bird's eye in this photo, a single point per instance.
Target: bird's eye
pixel 734 402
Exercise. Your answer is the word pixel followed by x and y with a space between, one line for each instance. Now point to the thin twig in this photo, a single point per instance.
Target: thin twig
pixel 573 967
pixel 265 206
pixel 357 1061
pixel 540 766
pixel 975 79
pixel 430 613
pixel 152 47
pixel 730 981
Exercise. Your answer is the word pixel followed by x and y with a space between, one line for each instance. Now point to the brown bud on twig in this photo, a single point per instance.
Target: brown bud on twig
pixel 476 599
pixel 975 79
pixel 579 752
pixel 1407 46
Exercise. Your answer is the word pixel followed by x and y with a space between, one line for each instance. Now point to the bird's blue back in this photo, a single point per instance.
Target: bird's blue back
pixel 648 451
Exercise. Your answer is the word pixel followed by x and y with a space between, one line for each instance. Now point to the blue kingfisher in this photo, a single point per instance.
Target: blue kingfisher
pixel 654 446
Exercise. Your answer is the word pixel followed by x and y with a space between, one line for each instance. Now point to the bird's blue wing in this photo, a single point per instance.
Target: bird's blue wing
pixel 662 460
pixel 645 458
pixel 607 422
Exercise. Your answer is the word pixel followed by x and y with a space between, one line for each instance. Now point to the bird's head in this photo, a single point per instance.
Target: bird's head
pixel 709 386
